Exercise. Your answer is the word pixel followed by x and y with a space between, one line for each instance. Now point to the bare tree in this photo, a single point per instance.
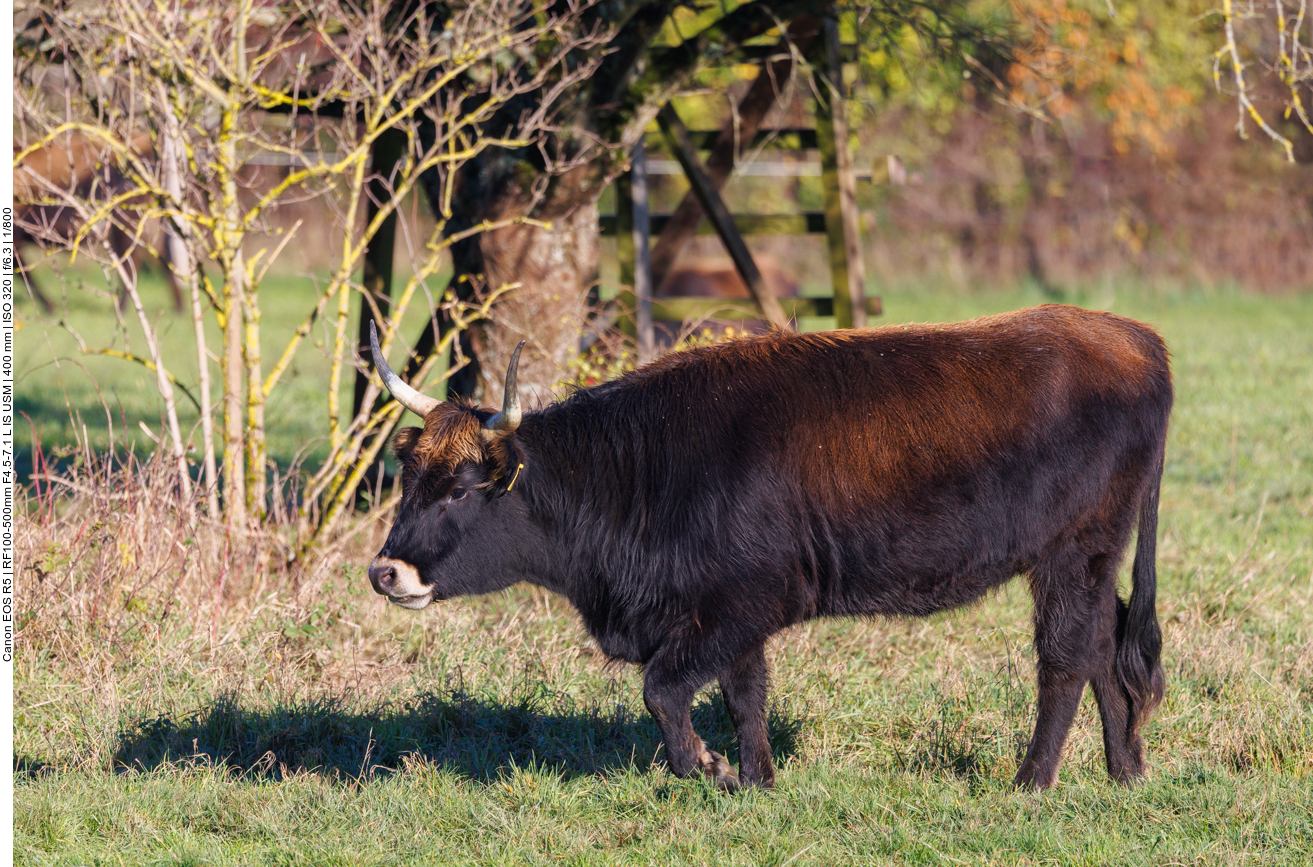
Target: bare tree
pixel 211 85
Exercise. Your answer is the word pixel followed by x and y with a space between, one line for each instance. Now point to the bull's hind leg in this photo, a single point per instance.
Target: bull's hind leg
pixel 1123 749
pixel 1073 641
pixel 744 685
pixel 668 692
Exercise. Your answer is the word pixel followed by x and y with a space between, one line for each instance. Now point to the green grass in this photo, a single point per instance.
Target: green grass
pixel 323 727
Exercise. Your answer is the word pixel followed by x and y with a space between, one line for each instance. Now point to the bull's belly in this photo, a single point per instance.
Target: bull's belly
pixel 920 567
pixel 918 593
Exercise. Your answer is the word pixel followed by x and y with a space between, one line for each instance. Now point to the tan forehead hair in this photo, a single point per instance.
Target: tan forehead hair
pixel 453 435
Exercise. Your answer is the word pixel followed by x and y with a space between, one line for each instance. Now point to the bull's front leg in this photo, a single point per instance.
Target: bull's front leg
pixel 668 695
pixel 744 685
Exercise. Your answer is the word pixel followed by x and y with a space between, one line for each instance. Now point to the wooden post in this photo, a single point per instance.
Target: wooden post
pixel 842 230
pixel 713 206
pixel 642 231
pixel 386 154
pixel 624 243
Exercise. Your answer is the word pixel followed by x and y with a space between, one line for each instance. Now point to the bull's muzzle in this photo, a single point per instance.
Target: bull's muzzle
pixel 399 582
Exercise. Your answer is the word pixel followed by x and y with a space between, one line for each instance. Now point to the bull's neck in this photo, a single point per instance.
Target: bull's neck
pixel 567 488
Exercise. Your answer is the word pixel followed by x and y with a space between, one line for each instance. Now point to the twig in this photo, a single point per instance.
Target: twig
pixel 146 363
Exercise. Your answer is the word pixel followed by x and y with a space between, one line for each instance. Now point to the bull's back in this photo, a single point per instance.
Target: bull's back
pixel 902 409
pixel 881 411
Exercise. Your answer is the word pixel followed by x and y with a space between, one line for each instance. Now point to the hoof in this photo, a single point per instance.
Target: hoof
pixel 1030 780
pixel 718 769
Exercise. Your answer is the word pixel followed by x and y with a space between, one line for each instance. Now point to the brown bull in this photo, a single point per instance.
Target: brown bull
pixel 697 506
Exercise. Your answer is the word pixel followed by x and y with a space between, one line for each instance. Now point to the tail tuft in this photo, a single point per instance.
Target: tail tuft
pixel 1139 639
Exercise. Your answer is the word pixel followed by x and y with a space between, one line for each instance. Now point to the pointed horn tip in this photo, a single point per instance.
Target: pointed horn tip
pixel 408 397
pixel 380 363
pixel 509 416
pixel 513 367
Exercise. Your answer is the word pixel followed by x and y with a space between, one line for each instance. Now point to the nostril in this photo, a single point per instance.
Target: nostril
pixel 382 576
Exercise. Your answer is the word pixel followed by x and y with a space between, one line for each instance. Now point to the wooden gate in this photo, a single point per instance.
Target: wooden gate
pixel 633 223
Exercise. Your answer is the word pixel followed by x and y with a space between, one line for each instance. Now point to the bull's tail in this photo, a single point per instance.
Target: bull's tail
pixel 1139 644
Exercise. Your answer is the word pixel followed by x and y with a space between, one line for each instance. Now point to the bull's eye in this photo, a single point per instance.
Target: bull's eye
pixel 458 494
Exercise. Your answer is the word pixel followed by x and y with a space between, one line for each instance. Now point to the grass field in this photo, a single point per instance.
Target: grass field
pixel 299 720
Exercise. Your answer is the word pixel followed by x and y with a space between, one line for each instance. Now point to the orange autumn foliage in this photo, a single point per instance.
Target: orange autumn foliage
pixel 1132 66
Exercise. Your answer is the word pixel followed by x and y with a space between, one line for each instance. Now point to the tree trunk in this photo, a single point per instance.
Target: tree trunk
pixel 555 267
pixel 229 240
pixel 180 262
pixel 255 440
pixel 234 464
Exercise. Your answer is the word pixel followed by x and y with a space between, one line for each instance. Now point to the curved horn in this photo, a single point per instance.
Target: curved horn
pixel 509 417
pixel 408 397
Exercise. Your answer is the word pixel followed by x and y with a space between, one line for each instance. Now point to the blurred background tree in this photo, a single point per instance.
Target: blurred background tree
pixel 1090 142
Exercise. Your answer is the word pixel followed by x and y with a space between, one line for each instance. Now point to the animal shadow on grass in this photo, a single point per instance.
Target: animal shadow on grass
pixel 28 768
pixel 477 738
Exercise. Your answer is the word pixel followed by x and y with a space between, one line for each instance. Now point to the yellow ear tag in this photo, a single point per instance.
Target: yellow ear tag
pixel 514 477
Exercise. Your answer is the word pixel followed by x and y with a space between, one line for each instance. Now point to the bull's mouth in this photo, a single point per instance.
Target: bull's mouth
pixel 414 603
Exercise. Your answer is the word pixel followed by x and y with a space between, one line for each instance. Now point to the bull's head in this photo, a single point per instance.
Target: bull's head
pixel 448 538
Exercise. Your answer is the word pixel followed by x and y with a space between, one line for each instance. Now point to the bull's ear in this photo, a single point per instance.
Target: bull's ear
pixel 506 461
pixel 403 443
